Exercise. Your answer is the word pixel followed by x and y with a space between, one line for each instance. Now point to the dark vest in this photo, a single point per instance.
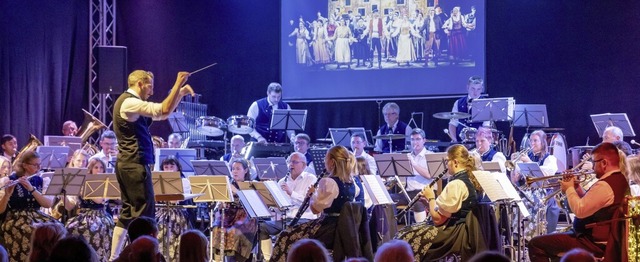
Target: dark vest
pixel 620 187
pixel 537 158
pixel 263 122
pixel 226 157
pixel 308 157
pixel 488 156
pixel 21 198
pixel 463 107
pixel 398 144
pixel 467 204
pixel 134 139
pixel 347 194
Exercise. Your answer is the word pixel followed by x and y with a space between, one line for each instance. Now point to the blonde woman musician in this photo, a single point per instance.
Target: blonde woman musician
pixel 484 142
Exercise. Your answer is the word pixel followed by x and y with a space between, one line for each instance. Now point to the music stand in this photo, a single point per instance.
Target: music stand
pixel 498 187
pixel 178 122
pixel 531 115
pixel 271 168
pixel 342 136
pixel 182 155
pixel 492 167
pixel 531 170
pixel 317 156
pixel 393 164
pixel 53 156
pixel 73 142
pixel 436 163
pixel 166 183
pixel 492 109
pixel 66 182
pixel 269 191
pixel 210 168
pixel 602 121
pixel 288 119
pixel 253 205
pixel 101 186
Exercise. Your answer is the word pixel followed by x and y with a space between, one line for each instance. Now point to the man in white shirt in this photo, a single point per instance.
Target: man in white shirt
pixel 174 140
pixel 108 153
pixel 301 145
pixel 295 186
pixel 421 177
pixel 357 146
pixel 261 110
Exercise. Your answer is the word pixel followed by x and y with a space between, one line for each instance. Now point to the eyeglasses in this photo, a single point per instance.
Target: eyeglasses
pixel 34 165
pixel 596 161
pixel 295 162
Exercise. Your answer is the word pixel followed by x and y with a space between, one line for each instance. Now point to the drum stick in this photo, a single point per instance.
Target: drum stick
pixel 202 68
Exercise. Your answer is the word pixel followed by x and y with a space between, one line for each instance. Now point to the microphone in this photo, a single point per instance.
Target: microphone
pixel 633 141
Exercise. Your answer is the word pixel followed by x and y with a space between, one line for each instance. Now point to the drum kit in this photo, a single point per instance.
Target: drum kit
pixel 214 126
pixel 467 134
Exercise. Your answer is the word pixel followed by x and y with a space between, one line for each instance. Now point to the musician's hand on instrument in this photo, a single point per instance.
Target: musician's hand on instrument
pixel 311 191
pixel 525 158
pixel 427 192
pixel 186 90
pixel 25 183
pixel 286 188
pixel 568 180
pixel 9 190
pixel 261 140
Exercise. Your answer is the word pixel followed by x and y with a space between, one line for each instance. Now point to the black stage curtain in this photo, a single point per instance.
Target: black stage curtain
pixel 43 65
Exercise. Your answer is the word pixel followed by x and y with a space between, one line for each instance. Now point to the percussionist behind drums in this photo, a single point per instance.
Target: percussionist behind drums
pixel 262 110
pixel 475 86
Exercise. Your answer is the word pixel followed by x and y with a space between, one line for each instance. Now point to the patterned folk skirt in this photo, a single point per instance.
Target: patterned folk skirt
pixel 16 231
pixel 96 226
pixel 172 222
pixel 239 233
pixel 322 229
pixel 430 242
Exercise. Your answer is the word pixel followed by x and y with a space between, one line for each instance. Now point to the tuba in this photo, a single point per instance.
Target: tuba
pixel 89 126
pixel 31 145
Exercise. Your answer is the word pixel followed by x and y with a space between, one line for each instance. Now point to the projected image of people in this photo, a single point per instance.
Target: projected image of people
pixel 386 34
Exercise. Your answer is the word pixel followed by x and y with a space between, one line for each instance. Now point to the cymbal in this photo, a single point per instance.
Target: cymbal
pixel 390 136
pixel 552 129
pixel 451 115
pixel 324 140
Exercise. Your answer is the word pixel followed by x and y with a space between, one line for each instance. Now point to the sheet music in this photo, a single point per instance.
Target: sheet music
pixel 277 194
pixel 498 187
pixel 253 204
pixel 376 190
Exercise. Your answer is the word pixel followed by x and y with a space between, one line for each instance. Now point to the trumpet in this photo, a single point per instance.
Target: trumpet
pixel 581 175
pixel 511 164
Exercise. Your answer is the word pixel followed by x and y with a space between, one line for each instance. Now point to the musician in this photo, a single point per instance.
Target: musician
pixel 174 140
pixel 611 134
pixel 295 185
pixel 132 116
pixel 20 206
pixel 549 166
pixel 332 193
pixel 173 221
pixel 237 143
pixel 475 86
pixel 421 177
pixel 301 145
pixel 5 167
pixel 261 110
pixel 79 159
pixel 69 128
pixel 92 221
pixel 484 142
pixel 391 112
pixel 108 142
pixel 448 211
pixel 357 147
pixel 240 230
pixel 598 204
pixel 9 145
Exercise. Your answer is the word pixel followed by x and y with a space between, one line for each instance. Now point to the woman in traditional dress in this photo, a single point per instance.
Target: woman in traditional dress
pixel 332 193
pixel 448 211
pixel 173 220
pixel 456 27
pixel 302 48
pixel 342 47
pixel 406 51
pixel 239 229
pixel 93 222
pixel 320 48
pixel 21 204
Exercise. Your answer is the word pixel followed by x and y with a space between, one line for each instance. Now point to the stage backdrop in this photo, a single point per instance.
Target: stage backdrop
pixel 579 58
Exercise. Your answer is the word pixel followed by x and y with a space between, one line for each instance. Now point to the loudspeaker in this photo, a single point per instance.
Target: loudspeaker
pixel 112 69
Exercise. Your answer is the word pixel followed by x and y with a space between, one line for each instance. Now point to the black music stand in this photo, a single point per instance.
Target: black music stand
pixel 492 109
pixel 436 163
pixel 531 115
pixel 395 165
pixel 271 168
pixel 255 209
pixel 101 186
pixel 288 119
pixel 531 170
pixel 342 136
pixel 178 122
pixel 317 156
pixel 602 121
pixel 210 168
pixel 66 182
pixel 182 155
pixel 53 156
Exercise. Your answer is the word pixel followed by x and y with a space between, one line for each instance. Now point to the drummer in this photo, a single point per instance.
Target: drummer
pixel 475 86
pixel 391 112
pixel 237 143
pixel 261 110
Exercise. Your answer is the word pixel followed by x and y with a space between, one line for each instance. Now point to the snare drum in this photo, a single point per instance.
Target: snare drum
pixel 240 124
pixel 468 134
pixel 211 125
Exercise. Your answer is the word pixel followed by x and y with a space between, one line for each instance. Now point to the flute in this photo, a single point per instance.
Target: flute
pixel 15 182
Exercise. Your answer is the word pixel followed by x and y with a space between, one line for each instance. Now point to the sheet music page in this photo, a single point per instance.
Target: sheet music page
pixel 378 194
pixel 253 199
pixel 511 192
pixel 277 194
pixel 491 186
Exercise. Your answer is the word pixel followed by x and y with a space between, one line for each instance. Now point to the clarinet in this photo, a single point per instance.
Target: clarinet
pixel 417 197
pixel 307 199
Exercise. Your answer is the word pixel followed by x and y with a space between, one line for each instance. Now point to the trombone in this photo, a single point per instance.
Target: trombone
pixel 511 164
